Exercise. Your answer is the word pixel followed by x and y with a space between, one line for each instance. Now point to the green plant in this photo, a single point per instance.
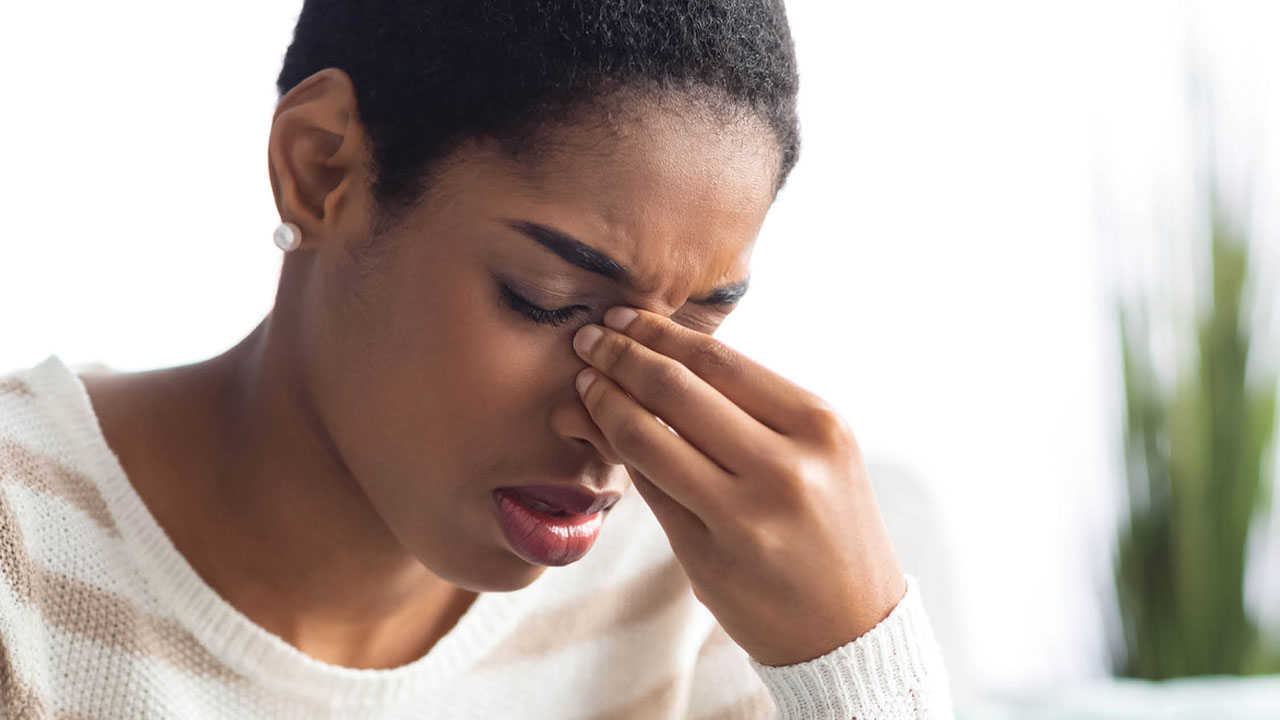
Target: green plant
pixel 1198 476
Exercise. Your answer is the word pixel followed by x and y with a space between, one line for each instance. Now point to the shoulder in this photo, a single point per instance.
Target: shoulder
pixel 52 514
pixel 28 429
pixel 25 470
pixel 48 459
pixel 45 409
pixel 50 441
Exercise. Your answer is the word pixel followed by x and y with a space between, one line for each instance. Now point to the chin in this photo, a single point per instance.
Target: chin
pixel 519 580
pixel 501 571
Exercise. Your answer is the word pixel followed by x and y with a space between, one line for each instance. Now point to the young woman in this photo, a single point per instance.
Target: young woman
pixel 483 458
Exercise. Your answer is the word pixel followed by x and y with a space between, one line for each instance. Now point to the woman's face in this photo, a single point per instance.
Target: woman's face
pixel 436 390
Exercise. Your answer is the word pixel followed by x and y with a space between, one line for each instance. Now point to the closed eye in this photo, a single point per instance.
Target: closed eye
pixel 555 318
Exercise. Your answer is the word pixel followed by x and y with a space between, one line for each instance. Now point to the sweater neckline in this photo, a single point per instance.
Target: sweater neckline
pixel 245 646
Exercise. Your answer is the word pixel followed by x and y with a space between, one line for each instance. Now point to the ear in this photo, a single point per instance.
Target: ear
pixel 316 153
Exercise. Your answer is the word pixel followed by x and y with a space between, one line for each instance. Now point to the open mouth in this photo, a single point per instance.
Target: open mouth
pixel 543 507
pixel 543 534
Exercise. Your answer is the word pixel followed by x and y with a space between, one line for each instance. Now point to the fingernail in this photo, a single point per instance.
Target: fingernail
pixel 619 316
pixel 584 380
pixel 586 338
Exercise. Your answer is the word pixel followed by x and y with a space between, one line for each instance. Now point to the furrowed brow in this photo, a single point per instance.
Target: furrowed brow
pixel 580 254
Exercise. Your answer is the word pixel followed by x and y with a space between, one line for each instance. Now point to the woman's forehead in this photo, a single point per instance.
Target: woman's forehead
pixel 662 173
pixel 678 202
pixel 650 205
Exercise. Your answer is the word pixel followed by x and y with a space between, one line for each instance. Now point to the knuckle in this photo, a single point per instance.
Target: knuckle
pixel 615 353
pixel 715 357
pixel 797 477
pixel 632 439
pixel 664 382
pixel 825 425
pixel 644 330
pixel 793 479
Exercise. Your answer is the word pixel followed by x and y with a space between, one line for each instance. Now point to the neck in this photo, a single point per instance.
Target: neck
pixel 282 530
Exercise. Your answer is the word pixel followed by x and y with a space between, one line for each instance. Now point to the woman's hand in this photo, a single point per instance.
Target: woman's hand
pixel 761 488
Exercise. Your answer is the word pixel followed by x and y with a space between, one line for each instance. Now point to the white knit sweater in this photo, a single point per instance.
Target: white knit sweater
pixel 101 617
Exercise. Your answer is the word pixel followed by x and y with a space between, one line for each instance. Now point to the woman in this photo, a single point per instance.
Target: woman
pixel 408 492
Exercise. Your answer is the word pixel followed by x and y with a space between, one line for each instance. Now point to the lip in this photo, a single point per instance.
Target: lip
pixel 542 538
pixel 574 499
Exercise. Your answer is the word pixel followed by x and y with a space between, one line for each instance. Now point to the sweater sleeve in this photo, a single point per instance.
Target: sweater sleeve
pixel 894 670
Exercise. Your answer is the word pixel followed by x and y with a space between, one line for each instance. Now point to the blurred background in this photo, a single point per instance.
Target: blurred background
pixel 982 187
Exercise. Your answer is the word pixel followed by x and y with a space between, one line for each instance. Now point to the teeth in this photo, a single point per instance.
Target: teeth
pixel 542 507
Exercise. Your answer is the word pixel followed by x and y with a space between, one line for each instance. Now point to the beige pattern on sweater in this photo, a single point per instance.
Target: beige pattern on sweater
pixel 100 617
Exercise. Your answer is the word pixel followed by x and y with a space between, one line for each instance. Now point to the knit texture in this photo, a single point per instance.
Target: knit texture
pixel 102 617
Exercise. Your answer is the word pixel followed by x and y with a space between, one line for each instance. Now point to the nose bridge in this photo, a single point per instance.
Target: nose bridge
pixel 663 293
pixel 671 265
pixel 664 306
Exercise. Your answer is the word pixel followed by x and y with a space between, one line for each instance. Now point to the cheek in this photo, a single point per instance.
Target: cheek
pixel 465 383
pixel 507 372
pixel 454 392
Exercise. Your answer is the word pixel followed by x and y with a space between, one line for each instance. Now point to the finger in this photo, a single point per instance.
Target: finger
pixel 771 399
pixel 682 527
pixel 675 467
pixel 694 409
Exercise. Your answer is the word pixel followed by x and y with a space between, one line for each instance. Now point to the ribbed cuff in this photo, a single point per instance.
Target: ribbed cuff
pixel 894 670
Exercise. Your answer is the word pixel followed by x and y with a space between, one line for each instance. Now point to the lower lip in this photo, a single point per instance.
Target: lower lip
pixel 541 538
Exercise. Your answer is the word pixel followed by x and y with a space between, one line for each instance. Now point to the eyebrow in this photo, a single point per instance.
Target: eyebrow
pixel 580 254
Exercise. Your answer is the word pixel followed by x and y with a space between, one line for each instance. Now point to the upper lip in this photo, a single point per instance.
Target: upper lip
pixel 569 498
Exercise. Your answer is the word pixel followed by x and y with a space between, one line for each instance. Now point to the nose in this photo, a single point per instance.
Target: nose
pixel 572 421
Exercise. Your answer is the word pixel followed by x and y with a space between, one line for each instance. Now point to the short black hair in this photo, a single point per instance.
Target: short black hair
pixel 430 74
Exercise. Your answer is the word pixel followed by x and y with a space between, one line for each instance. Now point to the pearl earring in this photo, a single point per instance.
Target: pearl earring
pixel 287 236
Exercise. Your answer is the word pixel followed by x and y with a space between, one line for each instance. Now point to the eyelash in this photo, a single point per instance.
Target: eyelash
pixel 537 314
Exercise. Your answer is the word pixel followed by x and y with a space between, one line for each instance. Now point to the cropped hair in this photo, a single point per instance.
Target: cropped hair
pixel 431 74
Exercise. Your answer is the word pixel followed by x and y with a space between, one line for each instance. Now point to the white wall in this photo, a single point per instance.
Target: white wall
pixel 959 160
pixel 934 266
